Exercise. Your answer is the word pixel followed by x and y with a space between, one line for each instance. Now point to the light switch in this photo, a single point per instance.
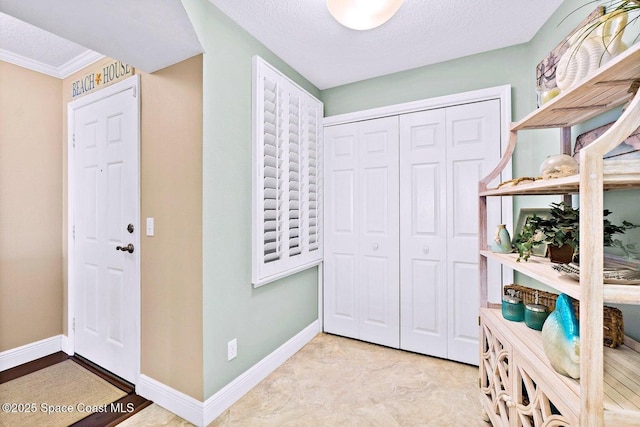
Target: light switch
pixel 150 227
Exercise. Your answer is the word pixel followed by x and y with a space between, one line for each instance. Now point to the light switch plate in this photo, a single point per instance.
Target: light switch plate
pixel 150 227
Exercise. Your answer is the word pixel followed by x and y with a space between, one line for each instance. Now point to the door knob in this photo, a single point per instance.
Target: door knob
pixel 425 249
pixel 129 248
pixel 375 246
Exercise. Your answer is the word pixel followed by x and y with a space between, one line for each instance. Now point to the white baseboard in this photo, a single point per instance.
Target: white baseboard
pixel 30 352
pixel 173 400
pixel 203 413
pixel 67 345
pixel 232 392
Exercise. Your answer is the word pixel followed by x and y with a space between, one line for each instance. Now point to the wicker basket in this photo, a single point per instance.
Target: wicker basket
pixel 612 321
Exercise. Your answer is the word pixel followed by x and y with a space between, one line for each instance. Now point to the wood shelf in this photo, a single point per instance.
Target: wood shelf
pixel 540 269
pixel 612 396
pixel 621 377
pixel 595 94
pixel 618 175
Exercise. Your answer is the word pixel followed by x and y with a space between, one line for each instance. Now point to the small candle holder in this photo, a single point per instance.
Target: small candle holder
pixel 512 308
pixel 535 314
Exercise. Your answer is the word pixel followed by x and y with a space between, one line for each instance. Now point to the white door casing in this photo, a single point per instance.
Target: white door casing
pixel 361 259
pixel 104 198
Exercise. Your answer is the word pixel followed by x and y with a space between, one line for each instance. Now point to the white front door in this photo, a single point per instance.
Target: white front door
pixel 104 204
pixel 361 247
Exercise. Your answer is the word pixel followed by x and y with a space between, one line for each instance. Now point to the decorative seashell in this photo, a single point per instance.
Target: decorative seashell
pixel 589 49
pixel 561 338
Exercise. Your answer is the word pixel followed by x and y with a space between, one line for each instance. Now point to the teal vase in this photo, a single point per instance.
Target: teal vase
pixel 502 241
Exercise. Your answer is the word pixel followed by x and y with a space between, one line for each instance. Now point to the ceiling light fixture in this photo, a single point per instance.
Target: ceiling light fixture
pixel 363 14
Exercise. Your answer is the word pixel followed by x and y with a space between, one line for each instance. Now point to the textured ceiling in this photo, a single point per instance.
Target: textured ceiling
pixel 423 32
pixel 148 34
pixel 34 48
pixel 32 42
pixel 152 34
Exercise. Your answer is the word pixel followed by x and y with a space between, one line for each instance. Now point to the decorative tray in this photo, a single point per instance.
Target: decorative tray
pixel 611 275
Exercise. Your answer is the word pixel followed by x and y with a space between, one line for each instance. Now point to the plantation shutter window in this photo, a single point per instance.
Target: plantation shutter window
pixel 286 176
pixel 272 175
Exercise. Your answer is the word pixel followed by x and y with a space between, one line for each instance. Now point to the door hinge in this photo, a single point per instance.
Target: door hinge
pixel 479 321
pixel 73 326
pixel 73 232
pixel 74 140
pixel 135 91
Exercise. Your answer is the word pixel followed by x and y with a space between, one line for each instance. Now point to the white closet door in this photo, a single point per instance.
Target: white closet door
pixel 473 148
pixel 423 220
pixel 401 263
pixel 379 242
pixel 341 226
pixel 361 229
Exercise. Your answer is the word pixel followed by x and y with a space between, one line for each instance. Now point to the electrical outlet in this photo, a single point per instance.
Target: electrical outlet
pixel 232 349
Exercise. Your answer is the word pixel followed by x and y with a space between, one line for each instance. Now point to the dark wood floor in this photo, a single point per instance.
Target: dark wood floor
pixel 123 408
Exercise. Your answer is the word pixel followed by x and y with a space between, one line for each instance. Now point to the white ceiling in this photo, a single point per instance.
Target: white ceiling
pixel 152 34
pixel 147 34
pixel 423 32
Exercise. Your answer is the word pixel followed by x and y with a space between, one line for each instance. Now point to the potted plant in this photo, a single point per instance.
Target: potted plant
pixel 562 232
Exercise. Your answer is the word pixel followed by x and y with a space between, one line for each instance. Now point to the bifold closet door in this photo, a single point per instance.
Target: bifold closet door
pixel 443 155
pixel 423 233
pixel 361 282
pixel 473 149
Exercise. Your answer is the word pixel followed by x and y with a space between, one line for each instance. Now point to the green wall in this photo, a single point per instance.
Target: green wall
pixel 515 66
pixel 261 319
pixel 265 318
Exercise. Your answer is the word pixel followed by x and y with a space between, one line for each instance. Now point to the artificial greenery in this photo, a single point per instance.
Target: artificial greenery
pixel 528 237
pixel 563 228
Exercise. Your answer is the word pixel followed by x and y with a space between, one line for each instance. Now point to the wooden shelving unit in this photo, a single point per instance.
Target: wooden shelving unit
pixel 518 385
pixel 621 377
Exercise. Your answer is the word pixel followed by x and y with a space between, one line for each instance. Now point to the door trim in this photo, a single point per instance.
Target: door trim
pixel 130 83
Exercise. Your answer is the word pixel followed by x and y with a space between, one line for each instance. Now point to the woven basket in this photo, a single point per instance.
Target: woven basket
pixel 612 321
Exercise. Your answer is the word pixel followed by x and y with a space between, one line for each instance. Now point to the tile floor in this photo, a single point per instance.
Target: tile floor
pixel 335 381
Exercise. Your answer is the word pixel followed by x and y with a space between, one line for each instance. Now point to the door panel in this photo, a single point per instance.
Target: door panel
pixel 375 291
pixel 361 246
pixel 473 133
pixel 378 238
pixel 424 320
pixel 341 225
pixel 423 219
pixel 106 281
pixel 345 294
